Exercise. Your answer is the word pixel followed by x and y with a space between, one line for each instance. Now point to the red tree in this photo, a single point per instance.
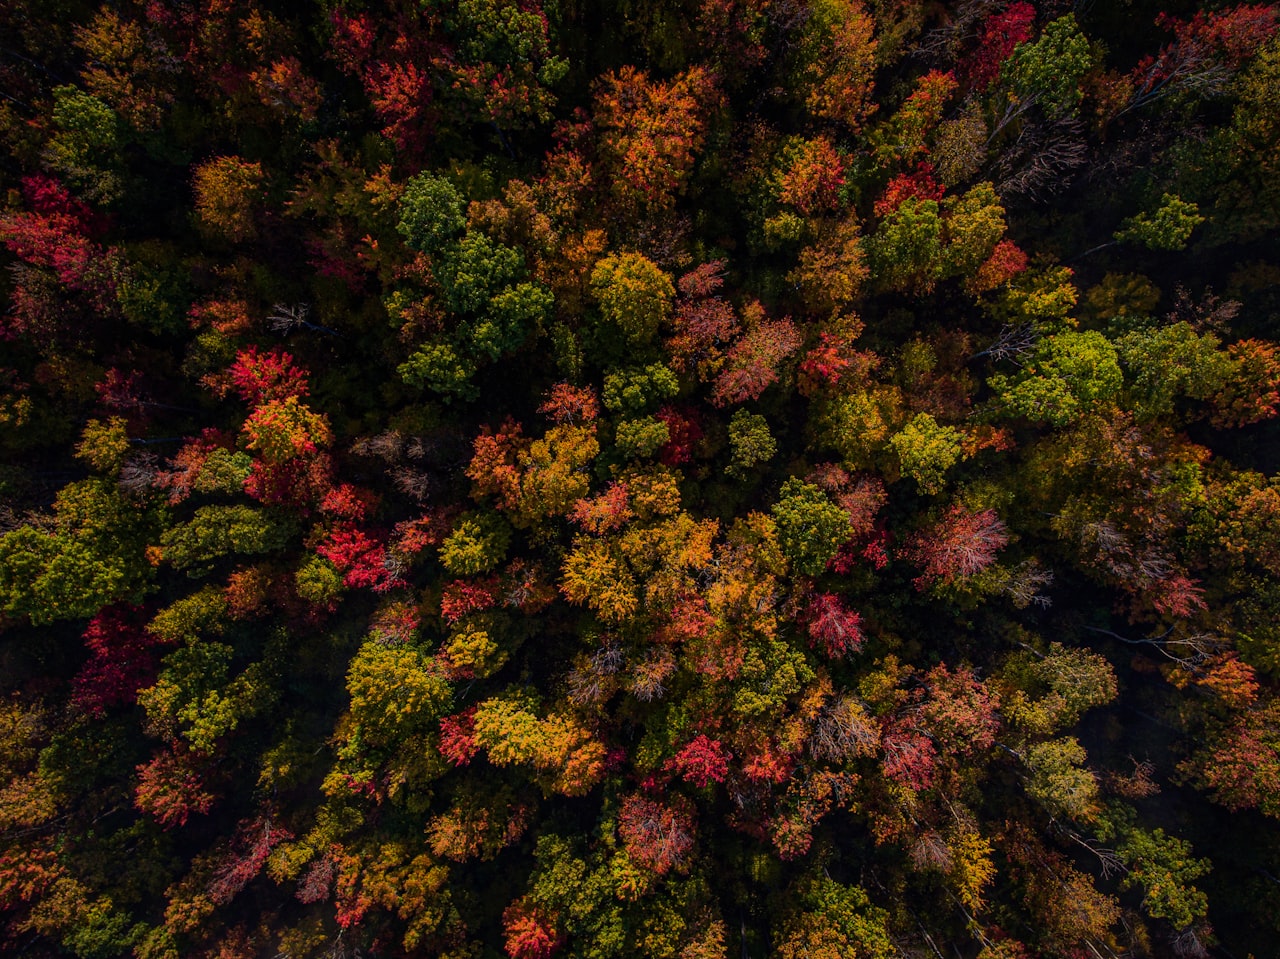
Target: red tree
pixel 458 737
pixel 657 836
pixel 958 545
pixel 701 761
pixel 997 37
pixel 833 628
pixel 122 660
pixel 262 377
pixel 170 788
pixel 754 360
pixel 529 932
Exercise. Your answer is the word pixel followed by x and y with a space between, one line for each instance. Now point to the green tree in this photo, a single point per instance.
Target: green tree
pixel 642 437
pixel 811 528
pixel 1060 781
pixel 1169 227
pixel 926 450
pixel 1068 375
pixel 477 544
pixel 638 388
pixel 1049 70
pixel 91 552
pixel 750 442
pixel 431 213
pixel 906 249
pixel 633 293
pixel 217 531
pixel 834 921
pixel 86 146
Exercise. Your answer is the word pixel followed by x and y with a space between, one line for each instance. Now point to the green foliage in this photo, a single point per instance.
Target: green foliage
pixel 475 270
pixel 217 531
pixel 1169 362
pixel 203 613
pixel 810 527
pixel 638 388
pixel 431 213
pixel 1059 780
pixel 973 225
pixel 1169 227
pixel 906 249
pixel 751 443
pixel 438 366
pixel 1049 70
pixel 104 446
pixel 85 148
pixel 318 582
pixel 926 450
pixel 1161 866
pixel 512 316
pixel 1069 374
pixel 395 691
pixel 477 544
pixel 640 438
pixel 837 920
pixel 89 554
pixel 633 293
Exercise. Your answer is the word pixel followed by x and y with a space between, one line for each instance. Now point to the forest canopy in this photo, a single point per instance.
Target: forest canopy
pixel 674 479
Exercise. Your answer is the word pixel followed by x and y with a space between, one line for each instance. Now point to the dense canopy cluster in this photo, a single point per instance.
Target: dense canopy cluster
pixel 679 480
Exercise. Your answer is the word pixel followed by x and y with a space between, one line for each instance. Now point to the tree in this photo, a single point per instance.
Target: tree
pixel 906 249
pixel 641 438
pixel 284 430
pixel 431 213
pixel 1069 374
pixel 170 788
pixel 634 295
pixel 1169 227
pixel 658 836
pixel 811 528
pixel 809 176
pixel 959 545
pixel 832 627
pixel 635 389
pixel 926 450
pixel 85 147
pixel 529 934
pixel 1170 362
pixel 1048 71
pixel 263 377
pixel 395 691
pixel 1060 781
pixel 89 554
pixel 566 757
pixel 702 761
pixel 751 443
pixel 228 192
pixel 217 531
pixel 837 62
pixel 477 544
pixel 999 35
pixel 650 132
pixel 752 365
pixel 834 920
pixel 1163 868
pixel 1240 765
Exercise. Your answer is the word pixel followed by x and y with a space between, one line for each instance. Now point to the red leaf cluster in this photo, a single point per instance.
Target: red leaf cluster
pixel 833 628
pixel 122 660
pixel 458 737
pixel 702 761
pixel 270 375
